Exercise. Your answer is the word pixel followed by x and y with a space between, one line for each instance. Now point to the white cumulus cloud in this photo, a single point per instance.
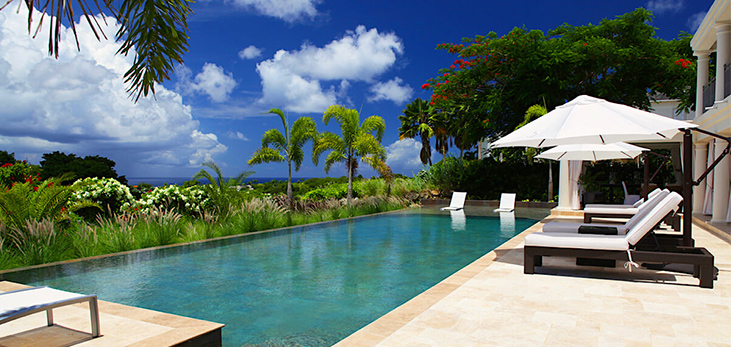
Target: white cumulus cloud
pixel 391 90
pixel 251 52
pixel 78 103
pixel 287 10
pixel 214 82
pixel 662 6
pixel 695 20
pixel 403 156
pixel 295 79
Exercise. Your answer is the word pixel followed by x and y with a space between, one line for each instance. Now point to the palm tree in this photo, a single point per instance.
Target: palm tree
pixel 287 147
pixel 220 190
pixel 416 121
pixel 359 140
pixel 156 30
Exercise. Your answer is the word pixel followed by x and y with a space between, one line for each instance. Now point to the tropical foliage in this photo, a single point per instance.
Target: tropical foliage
pixel 494 79
pixel 287 147
pixel 417 121
pixel 357 141
pixel 220 191
pixel 155 56
pixel 105 192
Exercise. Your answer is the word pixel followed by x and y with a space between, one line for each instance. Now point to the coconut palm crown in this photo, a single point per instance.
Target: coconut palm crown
pixel 278 147
pixel 358 140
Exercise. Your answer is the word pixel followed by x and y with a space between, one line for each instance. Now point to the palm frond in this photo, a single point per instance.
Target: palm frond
pixel 266 155
pixel 274 136
pixel 333 158
pixel 374 124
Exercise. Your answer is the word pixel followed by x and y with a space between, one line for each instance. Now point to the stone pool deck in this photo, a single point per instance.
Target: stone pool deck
pixel 120 325
pixel 491 302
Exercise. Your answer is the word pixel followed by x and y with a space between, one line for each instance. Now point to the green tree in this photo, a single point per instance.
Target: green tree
pixel 495 79
pixel 286 147
pixel 154 30
pixel 58 163
pixel 417 121
pixel 7 158
pixel 358 140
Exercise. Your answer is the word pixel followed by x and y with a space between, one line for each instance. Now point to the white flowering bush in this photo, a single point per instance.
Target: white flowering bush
pixel 107 192
pixel 188 200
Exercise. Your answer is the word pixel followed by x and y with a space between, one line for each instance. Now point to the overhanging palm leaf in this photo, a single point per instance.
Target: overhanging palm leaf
pixel 156 30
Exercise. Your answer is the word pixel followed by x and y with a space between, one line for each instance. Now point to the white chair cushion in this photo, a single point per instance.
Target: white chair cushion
pixel 582 241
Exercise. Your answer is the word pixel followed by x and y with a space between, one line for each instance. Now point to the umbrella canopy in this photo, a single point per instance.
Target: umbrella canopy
pixel 593 152
pixel 591 120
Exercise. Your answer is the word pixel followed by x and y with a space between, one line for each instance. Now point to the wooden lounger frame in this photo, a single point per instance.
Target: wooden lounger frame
pixel 699 257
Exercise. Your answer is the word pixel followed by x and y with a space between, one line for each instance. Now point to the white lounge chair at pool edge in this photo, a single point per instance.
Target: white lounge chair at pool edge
pixel 611 211
pixel 457 202
pixel 567 227
pixel 507 203
pixel 620 247
pixel 23 302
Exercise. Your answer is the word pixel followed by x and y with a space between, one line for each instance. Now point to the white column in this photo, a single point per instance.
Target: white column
pixel 564 189
pixel 699 166
pixel 723 44
pixel 701 81
pixel 721 185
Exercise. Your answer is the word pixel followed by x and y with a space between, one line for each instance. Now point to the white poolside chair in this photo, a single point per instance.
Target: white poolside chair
pixel 613 211
pixel 457 202
pixel 507 203
pixel 620 247
pixel 23 302
pixel 618 229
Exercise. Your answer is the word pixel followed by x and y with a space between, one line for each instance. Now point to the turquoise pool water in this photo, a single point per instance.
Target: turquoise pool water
pixel 308 286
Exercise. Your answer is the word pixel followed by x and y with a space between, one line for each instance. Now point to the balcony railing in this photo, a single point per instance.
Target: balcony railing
pixel 709 91
pixel 709 94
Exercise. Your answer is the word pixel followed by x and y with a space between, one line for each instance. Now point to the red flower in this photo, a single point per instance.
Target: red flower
pixel 423 86
pixel 7 165
pixel 586 44
pixel 431 103
pixel 35 189
pixel 452 67
pixel 446 75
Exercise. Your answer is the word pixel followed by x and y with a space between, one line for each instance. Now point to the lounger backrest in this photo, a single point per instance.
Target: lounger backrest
pixel 645 208
pixel 653 217
pixel 507 201
pixel 649 196
pixel 458 199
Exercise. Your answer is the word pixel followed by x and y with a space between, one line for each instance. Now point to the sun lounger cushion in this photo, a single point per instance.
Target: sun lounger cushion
pixel 581 241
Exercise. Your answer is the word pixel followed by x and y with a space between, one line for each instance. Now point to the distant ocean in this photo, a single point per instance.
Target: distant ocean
pixel 161 181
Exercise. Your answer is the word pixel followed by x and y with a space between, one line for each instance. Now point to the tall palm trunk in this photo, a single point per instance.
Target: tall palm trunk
pixel 290 195
pixel 350 180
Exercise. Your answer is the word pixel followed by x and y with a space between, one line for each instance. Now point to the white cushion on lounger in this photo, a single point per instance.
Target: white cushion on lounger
pixel 635 205
pixel 583 241
pixel 609 242
pixel 559 227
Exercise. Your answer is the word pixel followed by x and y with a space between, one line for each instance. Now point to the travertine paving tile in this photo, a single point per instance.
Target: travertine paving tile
pixel 566 305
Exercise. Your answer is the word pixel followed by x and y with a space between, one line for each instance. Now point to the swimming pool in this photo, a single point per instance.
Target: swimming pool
pixel 310 285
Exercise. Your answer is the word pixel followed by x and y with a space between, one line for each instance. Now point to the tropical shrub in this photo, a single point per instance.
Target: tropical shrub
pixel 19 172
pixel 188 201
pixel 106 192
pixel 333 191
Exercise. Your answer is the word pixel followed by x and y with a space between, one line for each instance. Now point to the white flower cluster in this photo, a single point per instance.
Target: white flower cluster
pixel 184 200
pixel 104 191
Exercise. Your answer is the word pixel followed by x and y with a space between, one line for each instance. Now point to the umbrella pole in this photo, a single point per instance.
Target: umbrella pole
pixel 646 185
pixel 687 188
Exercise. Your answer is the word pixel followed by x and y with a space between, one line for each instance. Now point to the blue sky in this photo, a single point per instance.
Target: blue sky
pixel 247 56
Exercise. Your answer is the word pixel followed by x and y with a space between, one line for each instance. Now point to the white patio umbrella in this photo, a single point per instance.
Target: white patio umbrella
pixel 591 120
pixel 593 152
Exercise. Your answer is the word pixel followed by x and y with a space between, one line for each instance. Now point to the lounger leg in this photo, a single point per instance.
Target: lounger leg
pixel 94 309
pixel 49 316
pixel 587 218
pixel 706 276
pixel 530 261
